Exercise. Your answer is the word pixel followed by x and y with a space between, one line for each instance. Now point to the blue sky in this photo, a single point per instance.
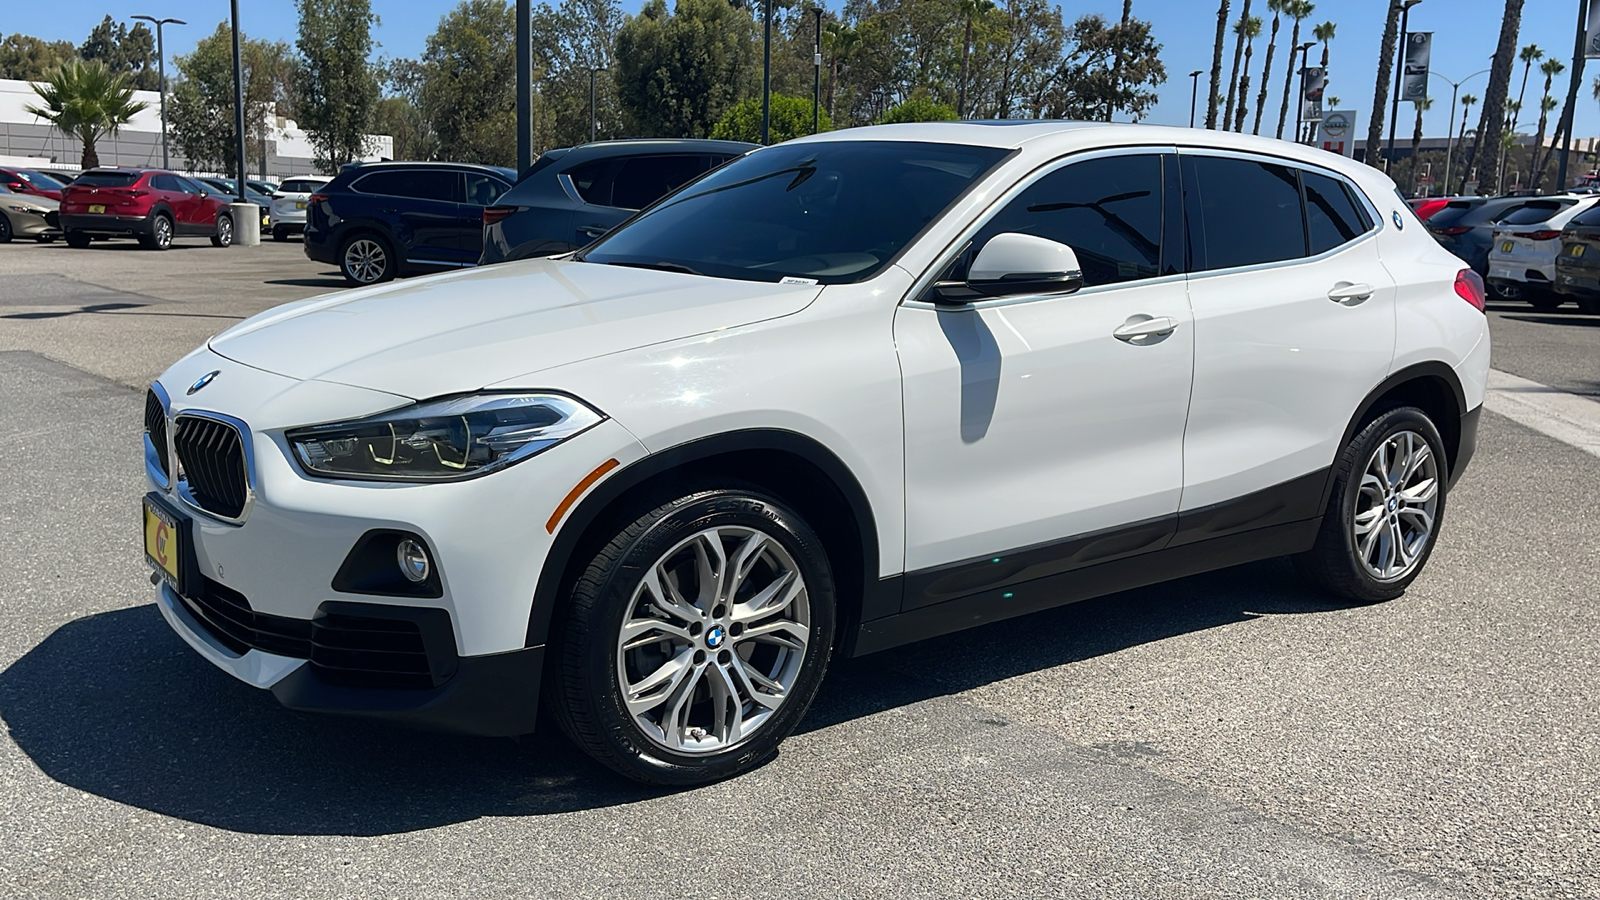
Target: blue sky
pixel 1464 37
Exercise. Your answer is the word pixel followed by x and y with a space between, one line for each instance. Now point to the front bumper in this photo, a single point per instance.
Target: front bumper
pixel 269 580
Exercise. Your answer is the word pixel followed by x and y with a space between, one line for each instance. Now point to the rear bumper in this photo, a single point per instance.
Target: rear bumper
pixel 1467 446
pixel 106 224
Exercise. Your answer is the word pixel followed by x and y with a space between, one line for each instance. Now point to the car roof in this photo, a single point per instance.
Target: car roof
pixel 634 145
pixel 419 164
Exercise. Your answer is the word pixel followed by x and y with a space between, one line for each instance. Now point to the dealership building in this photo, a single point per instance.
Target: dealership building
pixel 28 141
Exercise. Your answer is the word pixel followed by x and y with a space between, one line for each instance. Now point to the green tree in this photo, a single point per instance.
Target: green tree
pixel 1380 94
pixel 27 58
pixel 1250 28
pixel 1299 11
pixel 572 43
pixel 971 10
pixel 1482 162
pixel 791 118
pixel 1550 68
pixel 88 101
pixel 200 115
pixel 130 52
pixel 918 109
pixel 336 91
pixel 1088 86
pixel 467 89
pixel 676 75
pixel 1528 55
pixel 413 137
pixel 1277 8
pixel 1216 65
pixel 1233 76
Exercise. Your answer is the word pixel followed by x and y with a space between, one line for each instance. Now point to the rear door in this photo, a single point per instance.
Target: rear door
pixel 186 207
pixel 423 208
pixel 482 190
pixel 1294 325
pixel 614 189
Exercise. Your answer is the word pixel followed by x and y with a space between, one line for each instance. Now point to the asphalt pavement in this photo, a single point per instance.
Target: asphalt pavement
pixel 1227 735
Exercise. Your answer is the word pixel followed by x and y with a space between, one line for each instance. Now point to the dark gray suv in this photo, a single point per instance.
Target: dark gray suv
pixel 573 195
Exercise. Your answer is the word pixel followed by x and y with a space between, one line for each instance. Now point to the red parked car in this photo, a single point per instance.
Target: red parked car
pixel 152 205
pixel 1425 207
pixel 27 181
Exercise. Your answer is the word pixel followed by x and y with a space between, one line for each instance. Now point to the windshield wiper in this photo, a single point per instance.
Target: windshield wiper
pixel 659 266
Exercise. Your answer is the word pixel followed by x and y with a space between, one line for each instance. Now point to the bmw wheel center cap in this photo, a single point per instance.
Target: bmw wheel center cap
pixel 715 636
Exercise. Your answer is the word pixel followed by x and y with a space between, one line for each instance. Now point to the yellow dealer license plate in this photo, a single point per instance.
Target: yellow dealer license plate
pixel 299 205
pixel 97 208
pixel 163 543
pixel 1577 250
pixel 1507 246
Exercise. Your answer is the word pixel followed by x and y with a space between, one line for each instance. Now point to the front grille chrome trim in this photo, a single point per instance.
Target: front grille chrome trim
pixel 158 460
pixel 246 445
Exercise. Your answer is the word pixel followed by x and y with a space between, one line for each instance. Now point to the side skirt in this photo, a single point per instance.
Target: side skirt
pixel 1083 584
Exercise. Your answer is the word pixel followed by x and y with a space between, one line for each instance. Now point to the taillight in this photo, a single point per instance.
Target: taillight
pixel 1469 287
pixel 316 198
pixel 493 214
pixel 137 192
pixel 1454 230
pixel 1543 235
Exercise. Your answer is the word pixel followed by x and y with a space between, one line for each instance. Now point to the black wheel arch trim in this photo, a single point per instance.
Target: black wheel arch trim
pixel 879 596
pixel 1451 430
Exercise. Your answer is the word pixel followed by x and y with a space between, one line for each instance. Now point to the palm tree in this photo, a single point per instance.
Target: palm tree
pixel 1529 55
pixel 88 101
pixel 1550 68
pixel 1423 106
pixel 1277 8
pixel 1297 10
pixel 1233 76
pixel 970 9
pixel 1481 162
pixel 1252 30
pixel 1216 65
pixel 1467 100
pixel 1391 30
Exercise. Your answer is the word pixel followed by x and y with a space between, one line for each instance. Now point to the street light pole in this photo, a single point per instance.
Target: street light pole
pixel 766 80
pixel 1194 92
pixel 1450 136
pixel 161 68
pixel 594 120
pixel 816 83
pixel 1399 78
pixel 238 102
pixel 524 87
pixel 1566 125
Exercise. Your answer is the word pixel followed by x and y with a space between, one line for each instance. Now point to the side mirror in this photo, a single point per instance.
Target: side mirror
pixel 1013 265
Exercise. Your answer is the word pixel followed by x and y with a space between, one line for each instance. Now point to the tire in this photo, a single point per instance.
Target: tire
pixel 5 230
pixel 224 234
pixel 279 235
pixel 1337 562
pixel 706 643
pixel 365 258
pixel 160 236
pixel 77 239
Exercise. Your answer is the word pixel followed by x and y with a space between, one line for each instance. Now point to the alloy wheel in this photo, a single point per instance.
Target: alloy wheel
pixel 225 231
pixel 1397 504
pixel 163 232
pixel 365 260
pixel 714 640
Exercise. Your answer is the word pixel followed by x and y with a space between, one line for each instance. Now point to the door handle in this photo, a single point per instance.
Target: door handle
pixel 1143 326
pixel 593 230
pixel 388 210
pixel 1350 294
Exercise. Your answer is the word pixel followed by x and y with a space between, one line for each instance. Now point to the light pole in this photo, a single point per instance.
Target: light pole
pixel 238 102
pixel 1565 128
pixel 1450 136
pixel 161 67
pixel 524 87
pixel 816 82
pixel 1194 92
pixel 594 121
pixel 1300 99
pixel 766 80
pixel 1400 77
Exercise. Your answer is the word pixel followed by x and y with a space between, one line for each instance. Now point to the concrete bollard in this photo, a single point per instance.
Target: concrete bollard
pixel 246 224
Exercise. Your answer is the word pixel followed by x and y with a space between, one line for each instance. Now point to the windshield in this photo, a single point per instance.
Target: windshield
pixel 831 212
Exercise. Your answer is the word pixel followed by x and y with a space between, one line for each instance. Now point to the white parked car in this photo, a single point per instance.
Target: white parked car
pixel 841 394
pixel 1522 256
pixel 287 214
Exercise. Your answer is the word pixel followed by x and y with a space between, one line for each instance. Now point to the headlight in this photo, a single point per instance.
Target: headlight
pixel 29 210
pixel 442 440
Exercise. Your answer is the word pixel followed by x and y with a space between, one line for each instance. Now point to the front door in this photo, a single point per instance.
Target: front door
pixel 1028 422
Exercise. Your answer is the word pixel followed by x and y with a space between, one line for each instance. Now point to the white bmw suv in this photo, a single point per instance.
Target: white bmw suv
pixel 841 394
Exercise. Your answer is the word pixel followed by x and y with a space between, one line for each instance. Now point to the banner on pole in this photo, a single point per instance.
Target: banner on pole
pixel 1419 46
pixel 1337 132
pixel 1316 81
pixel 1591 41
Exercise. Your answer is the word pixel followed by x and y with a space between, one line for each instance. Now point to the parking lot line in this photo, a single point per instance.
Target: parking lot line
pixel 1566 417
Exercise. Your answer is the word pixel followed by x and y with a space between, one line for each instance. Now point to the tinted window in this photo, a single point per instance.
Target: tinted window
pixel 1534 212
pixel 643 180
pixel 298 186
pixel 421 184
pixel 483 190
pixel 593 181
pixel 190 186
pixel 1588 219
pixel 1332 216
pixel 165 183
pixel 1242 212
pixel 837 211
pixel 107 179
pixel 1107 210
pixel 1453 212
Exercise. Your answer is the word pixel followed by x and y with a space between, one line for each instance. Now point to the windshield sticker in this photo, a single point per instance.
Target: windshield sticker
pixel 793 279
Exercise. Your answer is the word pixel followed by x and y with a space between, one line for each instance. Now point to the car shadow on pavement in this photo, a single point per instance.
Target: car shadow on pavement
pixel 332 279
pixel 116 705
pixel 1574 319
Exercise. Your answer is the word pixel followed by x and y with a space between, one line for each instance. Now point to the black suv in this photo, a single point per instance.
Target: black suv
pixel 573 195
pixel 378 220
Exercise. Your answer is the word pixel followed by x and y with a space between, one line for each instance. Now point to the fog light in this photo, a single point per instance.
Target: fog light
pixel 413 560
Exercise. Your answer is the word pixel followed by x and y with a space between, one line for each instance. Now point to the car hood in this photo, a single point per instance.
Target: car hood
pixel 462 331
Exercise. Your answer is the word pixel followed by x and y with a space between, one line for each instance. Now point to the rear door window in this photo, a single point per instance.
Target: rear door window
pixel 1242 212
pixel 166 183
pixel 483 190
pixel 1332 215
pixel 419 184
